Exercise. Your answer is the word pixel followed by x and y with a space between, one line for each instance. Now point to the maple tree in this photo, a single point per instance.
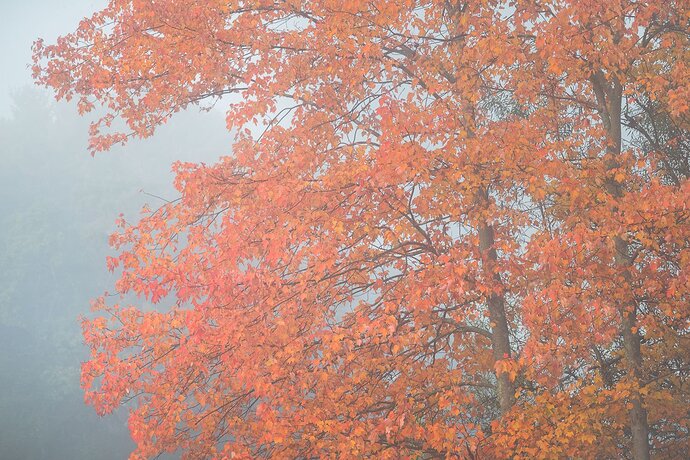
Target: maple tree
pixel 461 232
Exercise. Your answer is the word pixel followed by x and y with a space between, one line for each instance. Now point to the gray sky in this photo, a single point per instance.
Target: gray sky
pixel 23 21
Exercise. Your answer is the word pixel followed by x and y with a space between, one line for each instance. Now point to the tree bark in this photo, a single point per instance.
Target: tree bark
pixel 609 96
pixel 500 336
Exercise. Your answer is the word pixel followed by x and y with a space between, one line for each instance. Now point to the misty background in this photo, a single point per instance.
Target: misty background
pixel 58 206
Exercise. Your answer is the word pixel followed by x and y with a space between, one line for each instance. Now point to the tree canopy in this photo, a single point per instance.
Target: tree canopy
pixel 447 230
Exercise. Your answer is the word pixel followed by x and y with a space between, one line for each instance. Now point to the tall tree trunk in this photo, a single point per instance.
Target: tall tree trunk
pixel 500 337
pixel 609 95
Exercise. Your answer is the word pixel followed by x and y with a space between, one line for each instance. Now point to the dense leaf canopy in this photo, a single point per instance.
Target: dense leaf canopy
pixel 447 230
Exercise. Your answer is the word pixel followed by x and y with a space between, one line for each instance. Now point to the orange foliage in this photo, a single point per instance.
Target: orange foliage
pixel 444 243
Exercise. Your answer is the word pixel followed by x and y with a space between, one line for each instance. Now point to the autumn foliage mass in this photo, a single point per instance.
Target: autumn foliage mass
pixel 446 229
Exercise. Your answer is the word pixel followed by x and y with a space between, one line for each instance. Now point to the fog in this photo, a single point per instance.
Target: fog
pixel 57 210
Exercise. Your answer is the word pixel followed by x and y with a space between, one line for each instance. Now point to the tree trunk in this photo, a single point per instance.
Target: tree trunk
pixel 500 337
pixel 609 95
